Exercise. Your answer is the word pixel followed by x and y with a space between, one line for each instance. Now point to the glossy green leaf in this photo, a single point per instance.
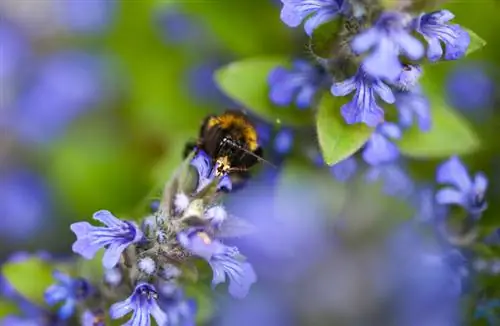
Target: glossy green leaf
pixel 246 82
pixel 337 139
pixel 450 134
pixel 322 41
pixel 476 42
pixel 30 278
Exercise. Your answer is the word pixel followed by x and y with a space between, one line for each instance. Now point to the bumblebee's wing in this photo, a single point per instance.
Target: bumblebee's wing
pixel 235 227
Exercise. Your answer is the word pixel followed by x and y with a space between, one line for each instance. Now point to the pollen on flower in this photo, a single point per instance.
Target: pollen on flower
pixel 204 237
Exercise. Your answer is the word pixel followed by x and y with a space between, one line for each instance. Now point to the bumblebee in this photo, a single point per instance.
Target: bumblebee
pixel 231 140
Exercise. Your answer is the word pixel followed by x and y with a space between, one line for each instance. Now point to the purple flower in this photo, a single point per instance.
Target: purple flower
pixel 389 38
pixel 206 172
pixel 224 261
pixel 435 29
pixel 299 84
pixel 427 210
pixel 345 169
pixel 363 106
pixel 317 12
pixel 379 149
pixel 68 290
pixel 93 318
pixel 179 311
pixel 413 104
pixel 396 182
pixel 116 237
pixel 14 50
pixel 464 191
pixel 283 141
pixel 143 302
pixel 86 16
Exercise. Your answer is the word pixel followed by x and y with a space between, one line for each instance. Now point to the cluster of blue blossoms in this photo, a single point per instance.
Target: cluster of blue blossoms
pixel 377 39
pixel 144 263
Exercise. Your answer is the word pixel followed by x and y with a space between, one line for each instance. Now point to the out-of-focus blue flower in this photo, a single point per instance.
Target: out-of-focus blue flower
pixel 389 38
pixel 468 193
pixel 470 89
pixel 178 28
pixel 396 182
pixel 223 259
pixel 363 106
pixel 283 141
pixel 435 29
pixel 178 309
pixel 62 88
pixel 115 237
pixel 408 77
pixel 317 12
pixel 68 290
pixel 345 169
pixel 206 172
pixel 14 50
pixel 413 104
pixel 93 318
pixel 24 204
pixel 144 304
pixel 298 85
pixel 379 149
pixel 92 16
pixel 426 208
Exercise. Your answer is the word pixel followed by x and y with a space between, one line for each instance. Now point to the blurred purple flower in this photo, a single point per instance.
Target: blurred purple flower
pixel 24 204
pixel 67 290
pixel 363 107
pixel 317 12
pixel 345 169
pixel 470 89
pixel 435 29
pixel 64 86
pixel 426 208
pixel 468 193
pixel 389 38
pixel 93 318
pixel 116 236
pixel 411 105
pixel 380 149
pixel 396 182
pixel 14 49
pixel 92 16
pixel 226 262
pixel 297 85
pixel 178 28
pixel 179 310
pixel 283 141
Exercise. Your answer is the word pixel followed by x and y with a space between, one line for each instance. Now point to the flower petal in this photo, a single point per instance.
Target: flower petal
pixel 366 40
pixel 107 218
pixel 321 17
pixel 454 172
pixel 384 91
pixel 112 254
pixel 343 88
pixel 120 309
pixel 449 196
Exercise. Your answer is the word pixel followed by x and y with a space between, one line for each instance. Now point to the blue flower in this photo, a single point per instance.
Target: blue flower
pixel 413 104
pixel 363 106
pixel 207 172
pixel 283 141
pixel 93 318
pixel 68 290
pixel 143 302
pixel 465 192
pixel 345 169
pixel 14 50
pixel 86 16
pixel 224 261
pixel 435 29
pixel 396 182
pixel 379 149
pixel 389 38
pixel 427 210
pixel 178 309
pixel 299 84
pixel 317 12
pixel 116 237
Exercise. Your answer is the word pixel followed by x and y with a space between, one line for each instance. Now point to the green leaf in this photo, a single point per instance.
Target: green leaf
pixel 322 41
pixel 337 139
pixel 202 294
pixel 476 42
pixel 30 278
pixel 246 82
pixel 7 308
pixel 450 134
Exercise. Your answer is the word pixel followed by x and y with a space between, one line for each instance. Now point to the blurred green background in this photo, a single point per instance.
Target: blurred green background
pixel 154 87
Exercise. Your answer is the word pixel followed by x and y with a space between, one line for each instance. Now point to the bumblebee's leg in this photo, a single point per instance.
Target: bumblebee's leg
pixel 190 146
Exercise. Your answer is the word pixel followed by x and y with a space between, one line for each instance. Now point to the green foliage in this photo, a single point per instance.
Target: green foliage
pixel 323 39
pixel 203 295
pixel 450 133
pixel 476 42
pixel 7 308
pixel 337 139
pixel 246 82
pixel 30 278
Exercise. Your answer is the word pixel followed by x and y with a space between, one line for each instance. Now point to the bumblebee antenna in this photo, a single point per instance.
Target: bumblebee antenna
pixel 232 143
